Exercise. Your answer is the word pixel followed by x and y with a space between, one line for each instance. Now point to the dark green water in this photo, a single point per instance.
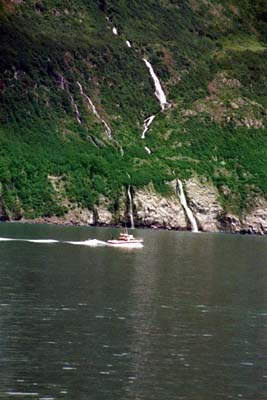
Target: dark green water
pixel 183 318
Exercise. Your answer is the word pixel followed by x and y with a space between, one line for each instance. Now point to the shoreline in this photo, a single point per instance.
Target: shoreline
pixel 58 222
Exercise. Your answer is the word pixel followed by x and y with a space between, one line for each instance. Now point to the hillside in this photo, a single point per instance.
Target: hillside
pixel 75 89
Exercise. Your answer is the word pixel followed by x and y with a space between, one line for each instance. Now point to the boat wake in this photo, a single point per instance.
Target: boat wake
pixel 88 242
pixel 3 239
pixel 40 240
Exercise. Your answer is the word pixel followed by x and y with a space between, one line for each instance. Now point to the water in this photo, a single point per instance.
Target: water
pixel 159 93
pixel 187 209
pixel 130 206
pixel 92 106
pixel 147 122
pixel 183 318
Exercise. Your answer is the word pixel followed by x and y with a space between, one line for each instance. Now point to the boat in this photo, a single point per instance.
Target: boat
pixel 126 240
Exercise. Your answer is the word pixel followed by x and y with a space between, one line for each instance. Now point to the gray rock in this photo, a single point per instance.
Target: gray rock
pixel 152 209
pixel 102 214
pixel 204 202
pixel 256 220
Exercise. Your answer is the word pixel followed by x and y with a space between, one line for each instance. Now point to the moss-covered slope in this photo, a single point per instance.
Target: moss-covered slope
pixel 210 57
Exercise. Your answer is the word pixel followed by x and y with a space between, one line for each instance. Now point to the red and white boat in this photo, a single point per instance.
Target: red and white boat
pixel 126 240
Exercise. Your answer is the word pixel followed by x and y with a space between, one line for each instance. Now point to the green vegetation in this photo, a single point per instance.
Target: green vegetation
pixel 243 43
pixel 211 60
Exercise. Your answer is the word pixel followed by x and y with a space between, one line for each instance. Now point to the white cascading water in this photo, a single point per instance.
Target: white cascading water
pixel 119 147
pixel 64 86
pixel 115 31
pixel 159 93
pixel 77 114
pixel 147 122
pixel 62 82
pixel 91 104
pixel 147 149
pixel 130 207
pixel 128 44
pixel 188 211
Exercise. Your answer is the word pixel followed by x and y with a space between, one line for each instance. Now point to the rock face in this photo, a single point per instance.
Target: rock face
pixel 3 213
pixel 230 223
pixel 203 200
pixel 75 216
pixel 154 210
pixel 102 214
pixel 79 215
pixel 151 209
pixel 256 220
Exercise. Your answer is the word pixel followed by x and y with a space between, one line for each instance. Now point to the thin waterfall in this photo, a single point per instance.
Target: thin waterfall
pixel 91 104
pixel 130 206
pixel 128 44
pixel 77 113
pixel 119 147
pixel 159 93
pixel 147 122
pixel 62 82
pixel 115 31
pixel 147 149
pixel 188 211
pixel 65 86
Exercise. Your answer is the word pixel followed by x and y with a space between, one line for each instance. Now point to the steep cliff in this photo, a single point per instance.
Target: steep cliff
pixel 108 95
pixel 153 210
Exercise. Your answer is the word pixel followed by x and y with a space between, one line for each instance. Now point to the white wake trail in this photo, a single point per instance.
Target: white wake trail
pixel 89 242
pixel 3 239
pixel 41 240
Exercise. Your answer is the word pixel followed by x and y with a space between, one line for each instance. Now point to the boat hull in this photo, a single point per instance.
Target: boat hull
pixel 131 244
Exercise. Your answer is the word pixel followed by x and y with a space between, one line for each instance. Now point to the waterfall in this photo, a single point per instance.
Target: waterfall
pixel 188 211
pixel 62 82
pixel 65 86
pixel 128 44
pixel 115 31
pixel 130 206
pixel 119 147
pixel 77 114
pixel 159 91
pixel 91 104
pixel 147 149
pixel 147 122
